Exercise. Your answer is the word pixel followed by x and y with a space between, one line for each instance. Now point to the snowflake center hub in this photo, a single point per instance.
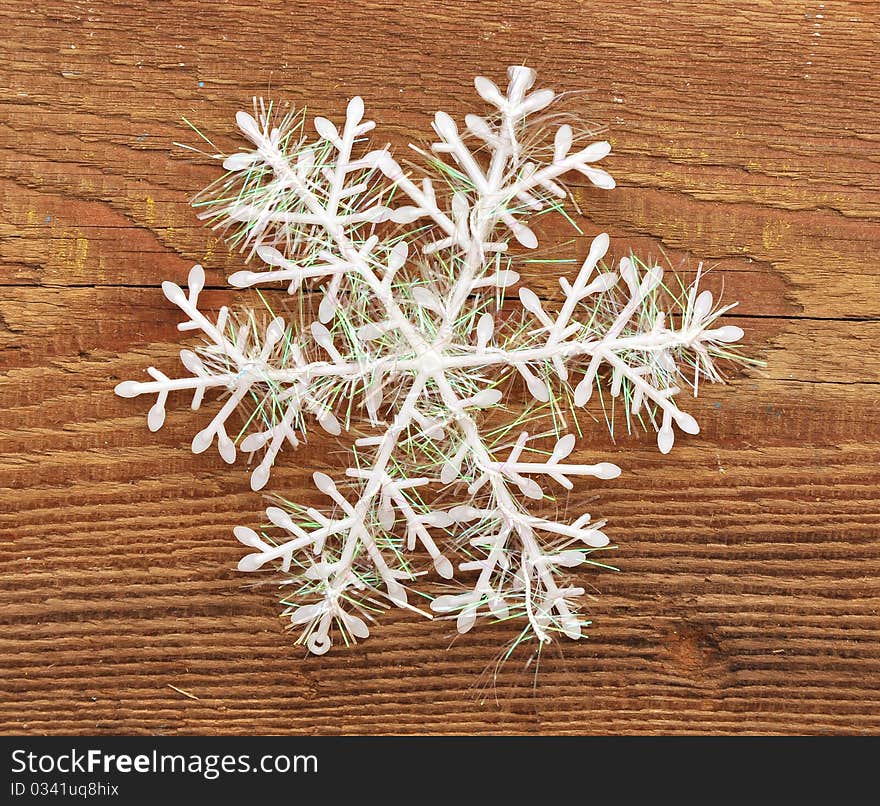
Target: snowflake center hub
pixel 431 361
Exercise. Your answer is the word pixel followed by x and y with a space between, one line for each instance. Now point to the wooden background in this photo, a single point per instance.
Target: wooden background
pixel 746 134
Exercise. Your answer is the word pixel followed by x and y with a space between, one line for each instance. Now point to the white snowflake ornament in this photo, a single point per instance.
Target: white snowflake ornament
pixel 411 339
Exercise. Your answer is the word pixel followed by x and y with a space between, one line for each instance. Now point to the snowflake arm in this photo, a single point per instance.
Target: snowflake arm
pixel 504 518
pixel 361 524
pixel 240 360
pixel 484 197
pixel 649 359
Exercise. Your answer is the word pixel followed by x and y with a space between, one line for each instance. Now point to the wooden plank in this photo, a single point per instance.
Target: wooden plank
pixel 745 137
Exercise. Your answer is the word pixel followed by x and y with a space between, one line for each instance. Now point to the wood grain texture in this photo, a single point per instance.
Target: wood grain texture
pixel 745 135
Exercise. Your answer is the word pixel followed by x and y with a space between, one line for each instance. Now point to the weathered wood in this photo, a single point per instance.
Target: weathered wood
pixel 745 137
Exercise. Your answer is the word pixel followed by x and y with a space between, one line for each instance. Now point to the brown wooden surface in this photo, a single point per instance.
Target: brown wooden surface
pixel 745 135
